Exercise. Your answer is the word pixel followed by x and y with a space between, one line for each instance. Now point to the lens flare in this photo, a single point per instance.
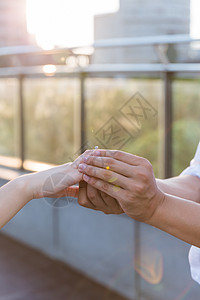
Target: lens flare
pixel 149 264
pixel 113 179
pixel 185 292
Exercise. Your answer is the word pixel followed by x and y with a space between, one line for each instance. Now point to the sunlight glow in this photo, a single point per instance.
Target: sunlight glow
pixel 70 23
pixel 65 22
pixel 49 70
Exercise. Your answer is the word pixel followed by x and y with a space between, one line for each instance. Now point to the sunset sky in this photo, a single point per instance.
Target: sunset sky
pixel 65 22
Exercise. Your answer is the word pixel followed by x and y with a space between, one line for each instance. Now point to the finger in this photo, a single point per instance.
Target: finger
pixel 82 196
pixel 111 163
pixel 120 155
pixel 113 191
pixel 94 196
pixel 106 175
pixel 71 191
pixel 99 201
pixel 112 203
pixel 80 158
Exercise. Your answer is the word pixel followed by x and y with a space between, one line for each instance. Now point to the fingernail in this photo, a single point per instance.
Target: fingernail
pixel 82 166
pixel 85 158
pixel 86 177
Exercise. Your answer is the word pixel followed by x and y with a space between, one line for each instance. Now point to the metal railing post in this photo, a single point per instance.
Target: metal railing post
pixel 82 111
pixel 137 259
pixel 21 121
pixel 168 122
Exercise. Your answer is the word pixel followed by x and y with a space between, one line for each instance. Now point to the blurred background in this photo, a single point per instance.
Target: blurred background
pixel 116 74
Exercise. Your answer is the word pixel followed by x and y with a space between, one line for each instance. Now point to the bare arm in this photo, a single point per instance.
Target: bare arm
pixel 54 182
pixel 130 179
pixel 186 186
pixel 13 196
pixel 178 217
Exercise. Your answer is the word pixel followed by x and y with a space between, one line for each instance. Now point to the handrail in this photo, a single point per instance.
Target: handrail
pixel 29 49
pixel 102 69
pixel 165 71
pixel 146 41
pixel 108 43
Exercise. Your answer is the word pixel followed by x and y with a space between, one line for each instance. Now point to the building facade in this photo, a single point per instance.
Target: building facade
pixel 137 18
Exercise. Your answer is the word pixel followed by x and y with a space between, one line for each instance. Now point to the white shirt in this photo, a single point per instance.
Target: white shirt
pixel 194 253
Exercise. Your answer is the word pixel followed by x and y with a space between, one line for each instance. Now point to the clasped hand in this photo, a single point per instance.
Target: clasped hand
pixel 119 182
pixel 113 182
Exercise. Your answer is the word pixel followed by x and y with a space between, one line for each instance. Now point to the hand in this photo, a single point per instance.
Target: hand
pixel 92 198
pixel 130 180
pixel 55 182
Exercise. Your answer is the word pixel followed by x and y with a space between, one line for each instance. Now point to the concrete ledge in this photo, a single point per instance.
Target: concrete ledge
pixel 99 246
pixel 102 247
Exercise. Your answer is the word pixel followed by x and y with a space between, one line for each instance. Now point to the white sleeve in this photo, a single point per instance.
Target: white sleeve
pixel 194 260
pixel 194 168
pixel 194 253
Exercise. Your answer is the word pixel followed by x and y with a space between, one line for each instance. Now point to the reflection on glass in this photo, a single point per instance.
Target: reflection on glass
pixel 186 124
pixel 8 115
pixel 123 114
pixel 49 119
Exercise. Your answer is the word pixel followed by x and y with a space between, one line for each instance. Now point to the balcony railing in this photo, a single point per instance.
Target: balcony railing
pixel 164 70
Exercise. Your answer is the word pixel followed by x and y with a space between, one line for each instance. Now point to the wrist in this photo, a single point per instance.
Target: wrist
pixel 161 184
pixel 23 187
pixel 157 209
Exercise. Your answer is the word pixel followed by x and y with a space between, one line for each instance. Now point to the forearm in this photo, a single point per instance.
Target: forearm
pixel 186 187
pixel 55 182
pixel 178 217
pixel 13 196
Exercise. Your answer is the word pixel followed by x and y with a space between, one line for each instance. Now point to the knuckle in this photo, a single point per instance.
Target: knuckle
pixel 99 161
pixel 146 163
pixel 107 175
pixel 90 159
pixel 93 182
pixel 90 170
pixel 117 154
pixel 103 162
pixel 110 162
pixel 104 186
pixel 139 188
pixel 143 176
